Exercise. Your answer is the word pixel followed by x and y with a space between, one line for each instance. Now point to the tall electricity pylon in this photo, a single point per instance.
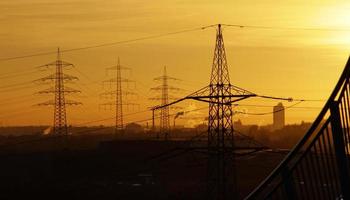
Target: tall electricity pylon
pixel 164 88
pixel 221 165
pixel 118 93
pixel 220 94
pixel 119 125
pixel 164 112
pixel 59 91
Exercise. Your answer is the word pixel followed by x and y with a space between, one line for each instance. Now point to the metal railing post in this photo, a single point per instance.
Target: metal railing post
pixel 288 184
pixel 339 147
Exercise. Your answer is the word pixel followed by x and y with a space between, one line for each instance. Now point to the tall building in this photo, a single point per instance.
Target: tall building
pixel 278 116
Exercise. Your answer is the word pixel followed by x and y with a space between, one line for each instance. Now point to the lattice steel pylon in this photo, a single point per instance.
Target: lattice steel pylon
pixel 119 126
pixel 164 112
pixel 221 167
pixel 164 88
pixel 118 93
pixel 59 90
pixel 220 94
pixel 60 118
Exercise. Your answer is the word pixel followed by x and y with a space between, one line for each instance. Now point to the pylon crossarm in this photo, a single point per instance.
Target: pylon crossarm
pixel 69 77
pixel 240 99
pixel 201 92
pixel 208 101
pixel 165 77
pixel 113 93
pixel 221 96
pixel 50 78
pixel 204 90
pixel 53 77
pixel 72 103
pixel 46 91
pixel 159 98
pixel 46 103
pixel 204 99
pixel 240 90
pixel 169 88
pixel 52 103
pixel 113 104
pixel 115 68
pixel 125 80
pixel 70 90
pixel 53 64
pixel 53 90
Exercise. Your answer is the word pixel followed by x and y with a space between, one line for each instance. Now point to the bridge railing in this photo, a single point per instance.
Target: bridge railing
pixel 318 166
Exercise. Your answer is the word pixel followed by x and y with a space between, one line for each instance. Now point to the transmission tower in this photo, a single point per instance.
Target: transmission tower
pixel 221 167
pixel 220 94
pixel 118 93
pixel 164 88
pixel 59 90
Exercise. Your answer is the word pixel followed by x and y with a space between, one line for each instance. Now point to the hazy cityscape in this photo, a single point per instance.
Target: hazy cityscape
pixel 174 100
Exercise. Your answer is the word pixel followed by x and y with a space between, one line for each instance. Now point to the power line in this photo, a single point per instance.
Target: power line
pixel 142 120
pixel 13 75
pixel 14 114
pixel 16 89
pixel 86 76
pixel 267 113
pixel 288 99
pixel 318 100
pixel 173 33
pixel 15 85
pixel 15 97
pixel 17 101
pixel 270 106
pixel 287 28
pixel 102 45
pixel 109 118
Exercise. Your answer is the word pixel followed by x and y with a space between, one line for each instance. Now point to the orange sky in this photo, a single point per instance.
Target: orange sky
pixel 287 63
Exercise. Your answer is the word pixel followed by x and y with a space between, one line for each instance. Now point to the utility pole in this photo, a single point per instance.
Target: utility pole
pixel 59 91
pixel 118 93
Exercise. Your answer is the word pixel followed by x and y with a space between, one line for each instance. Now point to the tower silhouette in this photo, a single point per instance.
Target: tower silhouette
pixel 119 126
pixel 220 94
pixel 164 88
pixel 59 90
pixel 60 118
pixel 164 112
pixel 118 93
pixel 221 166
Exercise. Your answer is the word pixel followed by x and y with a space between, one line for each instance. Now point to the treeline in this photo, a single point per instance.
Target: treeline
pixel 12 131
pixel 284 138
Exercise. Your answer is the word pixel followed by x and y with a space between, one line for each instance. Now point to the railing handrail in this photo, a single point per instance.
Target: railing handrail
pixel 345 74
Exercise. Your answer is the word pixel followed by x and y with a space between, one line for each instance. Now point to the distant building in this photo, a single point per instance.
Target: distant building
pixel 278 116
